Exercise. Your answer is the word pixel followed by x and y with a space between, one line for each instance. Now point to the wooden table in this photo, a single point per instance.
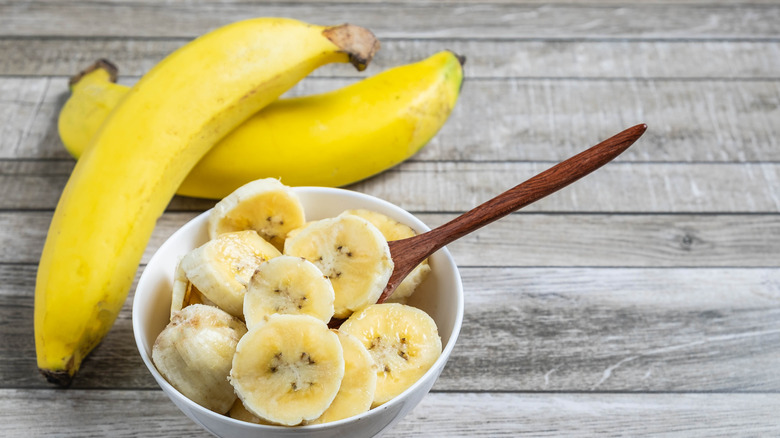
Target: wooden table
pixel 643 299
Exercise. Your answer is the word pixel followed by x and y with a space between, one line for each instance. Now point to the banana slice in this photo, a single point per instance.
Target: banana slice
pixel 240 412
pixel 194 353
pixel 394 230
pixel 222 267
pixel 265 205
pixel 184 293
pixel 288 369
pixel 289 285
pixel 403 340
pixel 295 231
pixel 352 253
pixel 358 386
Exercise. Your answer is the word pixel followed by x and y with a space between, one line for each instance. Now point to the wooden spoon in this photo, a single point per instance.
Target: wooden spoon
pixel 410 252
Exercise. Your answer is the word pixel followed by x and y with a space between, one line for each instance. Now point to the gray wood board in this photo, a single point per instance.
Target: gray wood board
pixel 149 413
pixel 474 21
pixel 535 239
pixel 620 187
pixel 534 329
pixel 586 59
pixel 513 119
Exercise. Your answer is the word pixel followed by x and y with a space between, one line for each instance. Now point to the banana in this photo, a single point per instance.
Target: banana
pixel 195 353
pixel 94 93
pixel 140 156
pixel 222 268
pixel 358 385
pixel 394 230
pixel 403 340
pixel 184 293
pixel 352 253
pixel 288 285
pixel 288 369
pixel 265 205
pixel 240 412
pixel 311 140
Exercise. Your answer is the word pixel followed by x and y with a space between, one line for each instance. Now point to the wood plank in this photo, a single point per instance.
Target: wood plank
pixel 485 59
pixel 149 413
pixel 559 21
pixel 618 330
pixel 534 329
pixel 623 240
pixel 93 414
pixel 551 415
pixel 513 119
pixel 620 187
pixel 454 187
pixel 450 2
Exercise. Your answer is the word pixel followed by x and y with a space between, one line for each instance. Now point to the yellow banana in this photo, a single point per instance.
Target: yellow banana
pixel 139 157
pixel 330 139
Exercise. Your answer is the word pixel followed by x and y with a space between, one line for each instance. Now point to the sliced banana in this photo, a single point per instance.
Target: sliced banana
pixel 352 253
pixel 240 412
pixel 358 386
pixel 288 369
pixel 403 340
pixel 289 285
pixel 194 353
pixel 265 205
pixel 394 230
pixel 222 267
pixel 184 293
pixel 295 231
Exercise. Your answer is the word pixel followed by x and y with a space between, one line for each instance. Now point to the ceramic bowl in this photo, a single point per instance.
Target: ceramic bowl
pixel 440 295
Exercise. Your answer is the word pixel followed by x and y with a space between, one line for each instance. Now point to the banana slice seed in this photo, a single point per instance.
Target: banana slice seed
pixel 403 340
pixel 265 205
pixel 222 267
pixel 288 369
pixel 352 253
pixel 394 230
pixel 288 285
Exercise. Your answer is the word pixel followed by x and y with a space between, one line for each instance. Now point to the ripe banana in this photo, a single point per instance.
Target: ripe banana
pixel 331 139
pixel 265 205
pixel 288 285
pixel 394 230
pixel 288 369
pixel 240 412
pixel 403 340
pixel 222 268
pixel 352 253
pixel 195 352
pixel 356 392
pixel 142 153
pixel 184 293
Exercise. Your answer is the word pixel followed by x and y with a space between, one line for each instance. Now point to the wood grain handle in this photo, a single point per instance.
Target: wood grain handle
pixel 415 249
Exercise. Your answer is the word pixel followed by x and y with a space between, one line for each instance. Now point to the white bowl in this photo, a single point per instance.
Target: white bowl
pixel 440 295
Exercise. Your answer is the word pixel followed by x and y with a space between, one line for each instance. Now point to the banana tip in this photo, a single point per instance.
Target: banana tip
pixel 103 64
pixel 359 43
pixel 461 59
pixel 60 378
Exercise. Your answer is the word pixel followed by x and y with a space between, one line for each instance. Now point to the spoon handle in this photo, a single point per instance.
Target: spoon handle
pixel 408 253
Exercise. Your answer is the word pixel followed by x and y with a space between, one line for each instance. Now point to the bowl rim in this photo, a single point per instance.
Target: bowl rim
pixel 199 221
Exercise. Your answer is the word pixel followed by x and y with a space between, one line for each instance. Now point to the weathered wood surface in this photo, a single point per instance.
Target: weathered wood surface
pixel 149 413
pixel 532 329
pixel 539 239
pixel 458 186
pixel 587 59
pixel 643 300
pixel 473 21
pixel 510 119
